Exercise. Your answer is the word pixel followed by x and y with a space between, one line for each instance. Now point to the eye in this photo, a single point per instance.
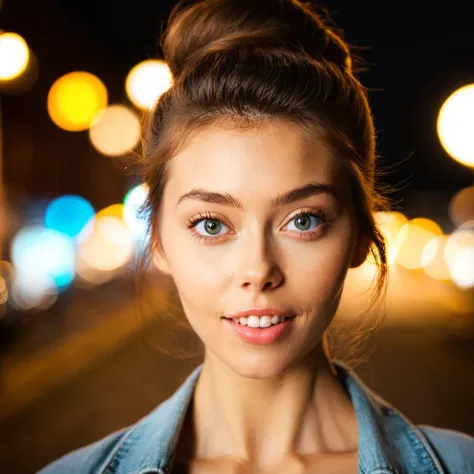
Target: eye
pixel 211 225
pixel 304 218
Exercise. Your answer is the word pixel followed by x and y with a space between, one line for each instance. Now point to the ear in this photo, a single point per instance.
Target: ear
pixel 159 258
pixel 361 251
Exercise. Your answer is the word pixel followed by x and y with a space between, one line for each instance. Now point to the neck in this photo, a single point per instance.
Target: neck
pixel 304 411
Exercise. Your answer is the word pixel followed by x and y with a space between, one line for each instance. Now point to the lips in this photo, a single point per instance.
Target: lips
pixel 260 335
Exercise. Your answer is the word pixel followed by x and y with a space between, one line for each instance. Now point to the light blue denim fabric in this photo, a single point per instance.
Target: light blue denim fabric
pixel 388 442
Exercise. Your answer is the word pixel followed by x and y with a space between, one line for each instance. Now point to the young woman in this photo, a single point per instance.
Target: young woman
pixel 260 163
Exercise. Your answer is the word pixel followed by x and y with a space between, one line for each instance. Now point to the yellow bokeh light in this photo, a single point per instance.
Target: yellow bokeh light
pixel 412 239
pixel 75 99
pixel 368 270
pixel 147 81
pixel 115 130
pixel 428 225
pixel 432 258
pixel 456 125
pixel 14 56
pixel 115 210
pixel 461 239
pixel 390 224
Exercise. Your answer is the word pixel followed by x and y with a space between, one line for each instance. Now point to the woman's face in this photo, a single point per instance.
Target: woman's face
pixel 259 254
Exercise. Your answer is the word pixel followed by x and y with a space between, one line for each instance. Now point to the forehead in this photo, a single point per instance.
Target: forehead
pixel 274 155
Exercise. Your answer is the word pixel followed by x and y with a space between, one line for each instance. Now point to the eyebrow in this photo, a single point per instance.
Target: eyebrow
pixel 226 199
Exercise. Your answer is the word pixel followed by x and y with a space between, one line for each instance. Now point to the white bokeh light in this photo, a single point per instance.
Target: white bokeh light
pixel 133 201
pixel 32 289
pixel 40 251
pixel 14 55
pixel 461 268
pixel 147 81
pixel 455 125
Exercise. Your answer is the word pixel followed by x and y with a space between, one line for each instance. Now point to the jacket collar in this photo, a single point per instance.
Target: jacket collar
pixel 388 442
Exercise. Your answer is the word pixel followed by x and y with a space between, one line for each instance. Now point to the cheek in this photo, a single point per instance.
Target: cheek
pixel 192 263
pixel 320 270
pixel 198 273
pixel 199 268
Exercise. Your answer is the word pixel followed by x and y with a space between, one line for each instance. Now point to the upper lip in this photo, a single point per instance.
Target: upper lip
pixel 260 312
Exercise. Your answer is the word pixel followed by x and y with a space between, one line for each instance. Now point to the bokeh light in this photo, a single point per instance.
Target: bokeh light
pixel 108 247
pixel 136 221
pixel 455 125
pixel 461 207
pixel 390 224
pixel 69 214
pixel 412 239
pixel 114 210
pixel 461 238
pixel 40 251
pixel 461 268
pixel 432 258
pixel 75 99
pixel 458 253
pixel 87 276
pixel 33 289
pixel 115 130
pixel 14 56
pixel 147 81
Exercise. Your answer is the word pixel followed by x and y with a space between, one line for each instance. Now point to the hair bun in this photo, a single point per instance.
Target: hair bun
pixel 196 27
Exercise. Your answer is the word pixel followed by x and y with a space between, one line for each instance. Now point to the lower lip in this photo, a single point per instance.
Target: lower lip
pixel 260 335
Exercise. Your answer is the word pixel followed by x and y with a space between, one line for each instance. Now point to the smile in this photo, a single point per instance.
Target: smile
pixel 260 330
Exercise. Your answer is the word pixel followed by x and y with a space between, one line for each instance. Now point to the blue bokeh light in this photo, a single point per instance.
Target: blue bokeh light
pixel 69 214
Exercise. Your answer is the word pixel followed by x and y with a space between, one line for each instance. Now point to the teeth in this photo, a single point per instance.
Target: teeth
pixel 262 322
pixel 259 322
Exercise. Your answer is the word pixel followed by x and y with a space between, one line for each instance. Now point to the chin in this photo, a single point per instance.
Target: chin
pixel 259 366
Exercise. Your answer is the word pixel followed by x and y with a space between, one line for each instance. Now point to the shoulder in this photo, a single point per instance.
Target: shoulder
pixel 454 448
pixel 88 459
pixel 142 446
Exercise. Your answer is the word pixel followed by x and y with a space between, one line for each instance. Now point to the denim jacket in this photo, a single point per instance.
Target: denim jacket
pixel 388 441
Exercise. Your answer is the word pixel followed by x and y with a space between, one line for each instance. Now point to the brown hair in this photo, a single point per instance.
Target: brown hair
pixel 251 61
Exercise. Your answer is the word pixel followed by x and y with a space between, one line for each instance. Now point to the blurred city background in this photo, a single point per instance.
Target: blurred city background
pixel 82 339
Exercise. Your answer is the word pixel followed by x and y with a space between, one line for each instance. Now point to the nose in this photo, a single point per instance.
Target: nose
pixel 259 281
pixel 259 270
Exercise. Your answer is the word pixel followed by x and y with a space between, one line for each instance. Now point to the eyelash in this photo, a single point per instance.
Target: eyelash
pixel 207 215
